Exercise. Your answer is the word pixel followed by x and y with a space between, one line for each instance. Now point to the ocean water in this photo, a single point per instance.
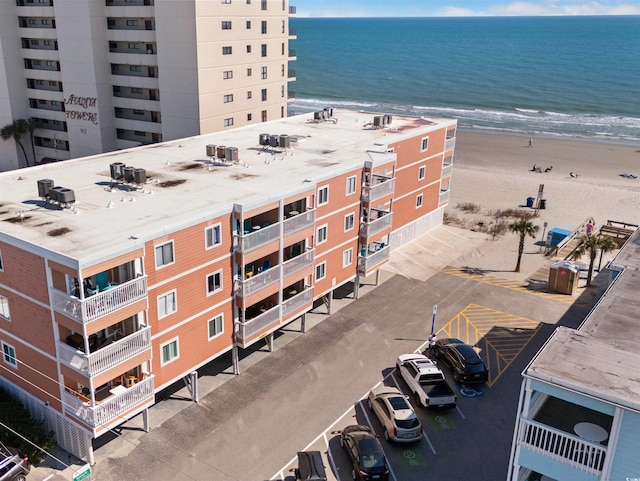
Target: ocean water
pixel 554 76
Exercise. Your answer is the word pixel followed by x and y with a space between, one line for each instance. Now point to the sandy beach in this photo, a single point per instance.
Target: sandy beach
pixel 493 171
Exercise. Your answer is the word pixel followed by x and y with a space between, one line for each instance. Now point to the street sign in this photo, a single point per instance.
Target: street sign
pixel 83 473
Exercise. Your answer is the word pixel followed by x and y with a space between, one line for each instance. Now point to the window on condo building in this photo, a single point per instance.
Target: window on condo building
pixel 228 122
pixel 263 49
pixel 226 25
pixel 263 4
pixel 249 117
pixel 169 351
pixel 323 195
pixel 9 354
pixel 264 26
pixel 164 254
pixel 249 94
pixel 227 74
pixel 228 98
pixel 264 115
pixel 425 144
pixel 216 326
pixel 225 1
pixel 213 236
pixel 264 95
pixel 349 221
pixel 1 265
pixel 351 185
pixel 422 172
pixel 249 72
pixel 226 50
pixel 214 282
pixel 4 308
pixel 322 235
pixel 248 24
pixel 419 200
pixel 167 304
pixel 321 271
pixel 347 257
pixel 263 73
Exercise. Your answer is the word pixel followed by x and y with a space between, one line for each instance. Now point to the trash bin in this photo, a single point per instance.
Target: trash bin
pixel 530 201
pixel 543 203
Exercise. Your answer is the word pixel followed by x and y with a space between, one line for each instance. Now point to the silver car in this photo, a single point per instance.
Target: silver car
pixel 396 415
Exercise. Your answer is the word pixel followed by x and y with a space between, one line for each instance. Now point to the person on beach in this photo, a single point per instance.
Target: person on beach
pixel 530 142
pixel 432 343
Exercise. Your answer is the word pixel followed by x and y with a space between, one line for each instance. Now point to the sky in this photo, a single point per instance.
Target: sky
pixel 461 8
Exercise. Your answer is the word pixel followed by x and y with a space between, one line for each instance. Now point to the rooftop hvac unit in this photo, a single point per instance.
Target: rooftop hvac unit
pixel 211 150
pixel 117 171
pixel 231 154
pixel 273 140
pixel 43 187
pixel 139 176
pixel 264 139
pixel 284 141
pixel 66 196
pixel 377 121
pixel 388 119
pixel 54 193
pixel 128 173
pixel 317 115
pixel 221 151
pixel 329 112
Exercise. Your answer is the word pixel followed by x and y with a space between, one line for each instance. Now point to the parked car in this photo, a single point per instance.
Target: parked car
pixel 466 364
pixel 13 467
pixel 310 467
pixel 426 381
pixel 366 455
pixel 396 415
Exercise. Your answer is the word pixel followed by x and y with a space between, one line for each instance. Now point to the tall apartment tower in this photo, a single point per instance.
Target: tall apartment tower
pixel 104 75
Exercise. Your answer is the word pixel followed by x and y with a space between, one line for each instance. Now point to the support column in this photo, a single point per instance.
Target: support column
pixel 329 302
pixel 356 286
pixel 87 440
pixel 145 420
pixel 270 342
pixel 303 323
pixel 235 360
pixel 377 277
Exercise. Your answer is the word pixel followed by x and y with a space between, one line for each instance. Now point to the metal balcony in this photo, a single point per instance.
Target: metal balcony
pixel 449 144
pixel 101 304
pixel 247 287
pixel 372 260
pixel 444 197
pixel 447 170
pixel 294 304
pixel 383 222
pixel 561 446
pixel 258 237
pixel 113 407
pixel 246 330
pixel 299 222
pixel 298 263
pixel 106 357
pixel 379 190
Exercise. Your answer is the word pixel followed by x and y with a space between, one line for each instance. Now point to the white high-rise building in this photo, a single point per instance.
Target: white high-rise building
pixel 102 75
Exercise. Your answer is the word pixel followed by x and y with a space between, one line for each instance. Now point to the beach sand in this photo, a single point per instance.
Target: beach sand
pixel 493 171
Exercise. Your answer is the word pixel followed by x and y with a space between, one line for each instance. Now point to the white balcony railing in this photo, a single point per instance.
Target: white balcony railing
pixel 107 356
pixel 258 282
pixel 110 408
pixel 381 223
pixel 100 304
pixel 561 446
pixel 297 302
pixel 447 170
pixel 259 237
pixel 251 327
pixel 450 144
pixel 444 197
pixel 372 260
pixel 298 263
pixel 299 222
pixel 375 192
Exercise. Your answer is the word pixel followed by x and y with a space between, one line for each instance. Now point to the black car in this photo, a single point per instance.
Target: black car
pixel 467 366
pixel 367 458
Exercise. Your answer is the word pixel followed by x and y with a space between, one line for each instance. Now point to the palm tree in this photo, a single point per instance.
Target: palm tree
pixel 523 227
pixel 592 243
pixel 14 131
pixel 30 125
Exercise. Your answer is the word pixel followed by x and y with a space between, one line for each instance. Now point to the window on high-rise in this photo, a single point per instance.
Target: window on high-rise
pixel 226 50
pixel 227 74
pixel 228 122
pixel 263 73
pixel 226 25
pixel 264 115
pixel 264 95
pixel 263 4
pixel 248 24
pixel 228 98
pixel 248 48
pixel 264 49
pixel 264 26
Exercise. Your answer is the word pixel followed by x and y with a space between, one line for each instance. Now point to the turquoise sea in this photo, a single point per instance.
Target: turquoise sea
pixel 554 76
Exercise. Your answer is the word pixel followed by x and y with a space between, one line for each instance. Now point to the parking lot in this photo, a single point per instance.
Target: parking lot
pixel 250 427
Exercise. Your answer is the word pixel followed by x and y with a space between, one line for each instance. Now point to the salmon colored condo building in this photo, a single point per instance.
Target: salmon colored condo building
pixel 125 272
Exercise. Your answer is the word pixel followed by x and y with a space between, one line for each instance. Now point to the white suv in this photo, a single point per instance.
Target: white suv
pixel 396 415
pixel 12 466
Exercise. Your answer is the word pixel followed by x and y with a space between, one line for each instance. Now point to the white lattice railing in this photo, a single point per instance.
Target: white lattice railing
pixel 375 192
pixel 110 408
pixel 372 260
pixel 100 304
pixel 106 357
pixel 258 282
pixel 561 446
pixel 258 323
pixel 299 222
pixel 258 237
pixel 297 302
pixel 298 263
pixel 383 222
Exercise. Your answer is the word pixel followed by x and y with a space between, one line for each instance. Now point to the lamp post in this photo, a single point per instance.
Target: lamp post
pixel 433 319
pixel 544 230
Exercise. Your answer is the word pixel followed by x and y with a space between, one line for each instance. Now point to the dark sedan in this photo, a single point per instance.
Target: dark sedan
pixel 467 366
pixel 366 455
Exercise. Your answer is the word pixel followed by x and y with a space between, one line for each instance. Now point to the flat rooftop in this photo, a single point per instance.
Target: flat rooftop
pixel 183 186
pixel 601 358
